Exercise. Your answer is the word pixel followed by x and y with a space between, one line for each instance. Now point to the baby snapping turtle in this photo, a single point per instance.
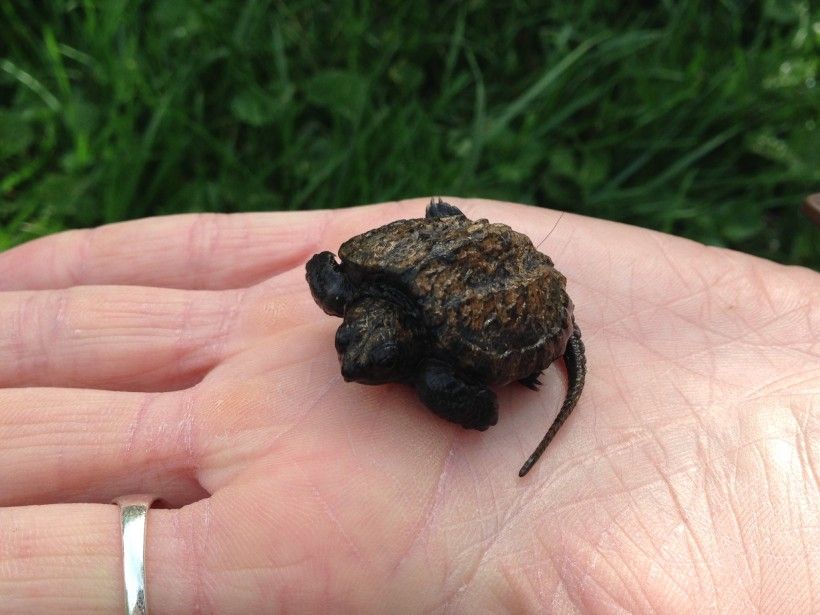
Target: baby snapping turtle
pixel 452 307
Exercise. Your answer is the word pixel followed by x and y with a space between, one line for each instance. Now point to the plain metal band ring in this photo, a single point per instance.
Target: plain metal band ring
pixel 133 518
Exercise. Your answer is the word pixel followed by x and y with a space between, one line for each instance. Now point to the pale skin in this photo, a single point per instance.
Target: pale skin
pixel 184 356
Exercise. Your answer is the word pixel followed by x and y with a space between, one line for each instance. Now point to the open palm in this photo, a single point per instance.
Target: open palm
pixel 184 356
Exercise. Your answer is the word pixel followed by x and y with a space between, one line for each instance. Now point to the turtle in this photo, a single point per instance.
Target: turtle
pixel 453 307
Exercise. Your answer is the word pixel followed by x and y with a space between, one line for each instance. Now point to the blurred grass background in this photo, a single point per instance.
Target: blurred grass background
pixel 697 118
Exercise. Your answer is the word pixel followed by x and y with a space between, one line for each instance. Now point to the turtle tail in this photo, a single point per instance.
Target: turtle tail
pixel 576 362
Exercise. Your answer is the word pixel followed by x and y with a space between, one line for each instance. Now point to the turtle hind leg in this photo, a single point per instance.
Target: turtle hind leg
pixel 532 381
pixel 446 393
pixel 439 209
pixel 576 362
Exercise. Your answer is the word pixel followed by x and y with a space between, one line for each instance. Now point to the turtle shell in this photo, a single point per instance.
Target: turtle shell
pixel 492 304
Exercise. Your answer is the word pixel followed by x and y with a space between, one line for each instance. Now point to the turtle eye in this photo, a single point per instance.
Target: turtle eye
pixel 386 356
pixel 344 336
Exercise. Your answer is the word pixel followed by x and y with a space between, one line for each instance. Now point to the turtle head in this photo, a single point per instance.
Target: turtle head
pixel 329 285
pixel 378 342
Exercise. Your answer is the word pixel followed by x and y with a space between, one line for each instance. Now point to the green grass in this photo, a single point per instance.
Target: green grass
pixel 697 118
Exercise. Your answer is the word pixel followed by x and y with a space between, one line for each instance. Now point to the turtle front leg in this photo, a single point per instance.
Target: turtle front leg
pixel 328 284
pixel 473 406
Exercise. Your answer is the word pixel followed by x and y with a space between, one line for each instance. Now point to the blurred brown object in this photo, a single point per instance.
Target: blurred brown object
pixel 811 207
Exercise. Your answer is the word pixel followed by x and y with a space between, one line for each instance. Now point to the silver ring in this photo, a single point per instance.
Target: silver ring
pixel 133 517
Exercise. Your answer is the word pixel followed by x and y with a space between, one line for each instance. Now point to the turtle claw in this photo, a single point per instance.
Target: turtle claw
pixel 532 381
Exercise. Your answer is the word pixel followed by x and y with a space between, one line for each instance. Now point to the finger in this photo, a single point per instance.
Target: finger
pixel 216 556
pixel 189 251
pixel 67 558
pixel 131 338
pixel 239 551
pixel 194 251
pixel 60 445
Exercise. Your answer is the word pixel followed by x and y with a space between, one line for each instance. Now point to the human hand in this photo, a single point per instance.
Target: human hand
pixel 184 356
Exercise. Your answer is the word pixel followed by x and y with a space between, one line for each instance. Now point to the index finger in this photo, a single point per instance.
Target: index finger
pixel 215 251
pixel 187 251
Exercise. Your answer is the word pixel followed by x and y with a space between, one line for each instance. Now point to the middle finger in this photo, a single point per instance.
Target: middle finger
pixel 122 337
pixel 60 445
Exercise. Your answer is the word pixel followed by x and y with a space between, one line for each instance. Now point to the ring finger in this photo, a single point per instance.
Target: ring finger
pixel 67 559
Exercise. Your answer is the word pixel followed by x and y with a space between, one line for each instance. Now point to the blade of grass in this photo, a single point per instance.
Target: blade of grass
pixel 539 87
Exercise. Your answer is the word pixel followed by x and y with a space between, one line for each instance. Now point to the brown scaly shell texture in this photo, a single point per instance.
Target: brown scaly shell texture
pixel 493 305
